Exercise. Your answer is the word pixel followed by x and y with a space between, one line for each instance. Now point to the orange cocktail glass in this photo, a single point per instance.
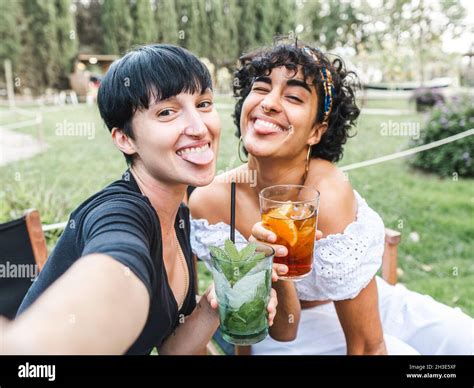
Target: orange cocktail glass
pixel 291 212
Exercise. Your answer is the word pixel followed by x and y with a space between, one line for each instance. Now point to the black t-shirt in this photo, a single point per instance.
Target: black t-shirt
pixel 120 222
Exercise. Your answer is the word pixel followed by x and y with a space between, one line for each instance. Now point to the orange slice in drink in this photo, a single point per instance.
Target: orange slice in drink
pixel 280 212
pixel 281 224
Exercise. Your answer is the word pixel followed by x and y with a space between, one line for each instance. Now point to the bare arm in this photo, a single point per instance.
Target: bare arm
pixel 96 307
pixel 287 318
pixel 360 321
pixel 359 317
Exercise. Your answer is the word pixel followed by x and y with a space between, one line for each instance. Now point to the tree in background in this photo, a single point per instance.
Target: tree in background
pixel 424 32
pixel 220 36
pixel 189 25
pixel 285 17
pixel 67 42
pixel 247 26
pixel 412 32
pixel 117 24
pixel 39 65
pixel 265 19
pixel 89 26
pixel 401 39
pixel 231 16
pixel 205 28
pixel 333 23
pixel 144 26
pixel 10 33
pixel 167 21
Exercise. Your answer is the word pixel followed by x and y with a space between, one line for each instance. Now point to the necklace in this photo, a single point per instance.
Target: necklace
pixel 185 271
pixel 181 258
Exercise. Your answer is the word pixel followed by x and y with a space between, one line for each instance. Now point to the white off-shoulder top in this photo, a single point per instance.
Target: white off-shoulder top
pixel 344 263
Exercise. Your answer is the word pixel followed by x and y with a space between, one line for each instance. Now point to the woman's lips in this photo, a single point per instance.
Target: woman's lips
pixel 197 155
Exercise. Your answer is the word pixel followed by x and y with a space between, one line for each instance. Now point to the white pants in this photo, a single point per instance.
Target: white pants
pixel 413 324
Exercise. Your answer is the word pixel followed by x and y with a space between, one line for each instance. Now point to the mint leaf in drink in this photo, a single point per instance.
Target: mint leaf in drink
pixel 250 263
pixel 225 264
pixel 231 250
pixel 248 251
pixel 251 309
pixel 218 253
pixel 258 256
pixel 234 264
pixel 247 266
pixel 251 317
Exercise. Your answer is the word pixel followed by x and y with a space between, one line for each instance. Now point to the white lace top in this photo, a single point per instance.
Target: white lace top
pixel 344 263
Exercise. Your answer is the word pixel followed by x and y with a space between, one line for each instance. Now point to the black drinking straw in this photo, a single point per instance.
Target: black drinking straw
pixel 232 212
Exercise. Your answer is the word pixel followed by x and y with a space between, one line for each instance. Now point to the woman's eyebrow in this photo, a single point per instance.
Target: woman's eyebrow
pixel 264 79
pixel 297 82
pixel 164 100
pixel 207 91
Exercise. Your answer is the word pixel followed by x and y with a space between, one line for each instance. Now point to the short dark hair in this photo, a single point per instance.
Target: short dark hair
pixel 292 55
pixel 144 75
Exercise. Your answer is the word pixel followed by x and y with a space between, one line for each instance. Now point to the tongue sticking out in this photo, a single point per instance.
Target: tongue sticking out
pixel 200 158
pixel 262 127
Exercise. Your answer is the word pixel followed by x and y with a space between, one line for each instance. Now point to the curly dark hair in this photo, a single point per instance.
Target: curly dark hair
pixel 291 55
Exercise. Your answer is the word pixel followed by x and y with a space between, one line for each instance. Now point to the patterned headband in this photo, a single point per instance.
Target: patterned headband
pixel 328 85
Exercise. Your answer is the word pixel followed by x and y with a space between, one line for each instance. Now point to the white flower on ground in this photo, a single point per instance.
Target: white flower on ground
pixel 414 236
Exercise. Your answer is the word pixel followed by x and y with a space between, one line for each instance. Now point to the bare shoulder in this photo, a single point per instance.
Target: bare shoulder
pixel 208 201
pixel 338 204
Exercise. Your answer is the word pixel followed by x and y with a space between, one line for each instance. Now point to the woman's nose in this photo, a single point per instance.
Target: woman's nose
pixel 194 131
pixel 194 125
pixel 195 128
pixel 270 103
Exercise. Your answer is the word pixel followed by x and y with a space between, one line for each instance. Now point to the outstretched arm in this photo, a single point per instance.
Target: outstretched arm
pixel 96 307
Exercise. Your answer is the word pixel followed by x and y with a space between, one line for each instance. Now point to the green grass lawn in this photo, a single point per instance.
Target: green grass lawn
pixel 437 211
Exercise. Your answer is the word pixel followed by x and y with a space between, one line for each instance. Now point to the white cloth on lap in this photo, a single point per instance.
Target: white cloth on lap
pixel 344 263
pixel 412 324
pixel 320 333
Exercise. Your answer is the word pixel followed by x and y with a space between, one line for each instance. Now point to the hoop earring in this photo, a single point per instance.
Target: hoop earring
pixel 308 155
pixel 238 151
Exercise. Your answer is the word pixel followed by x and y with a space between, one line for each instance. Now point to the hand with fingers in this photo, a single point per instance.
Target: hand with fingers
pixel 263 235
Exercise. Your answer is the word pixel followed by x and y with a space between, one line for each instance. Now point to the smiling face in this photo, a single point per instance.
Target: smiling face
pixel 176 139
pixel 279 114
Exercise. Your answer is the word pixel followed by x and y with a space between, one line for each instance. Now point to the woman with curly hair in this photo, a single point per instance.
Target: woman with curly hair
pixel 294 112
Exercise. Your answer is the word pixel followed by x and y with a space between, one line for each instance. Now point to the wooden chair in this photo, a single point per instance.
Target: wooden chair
pixel 390 256
pixel 389 274
pixel 23 253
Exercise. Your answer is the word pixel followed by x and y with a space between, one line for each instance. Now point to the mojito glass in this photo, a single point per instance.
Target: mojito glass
pixel 243 278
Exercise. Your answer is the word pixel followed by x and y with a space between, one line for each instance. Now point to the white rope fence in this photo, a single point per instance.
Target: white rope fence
pixel 35 120
pixel 371 162
pixel 410 151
